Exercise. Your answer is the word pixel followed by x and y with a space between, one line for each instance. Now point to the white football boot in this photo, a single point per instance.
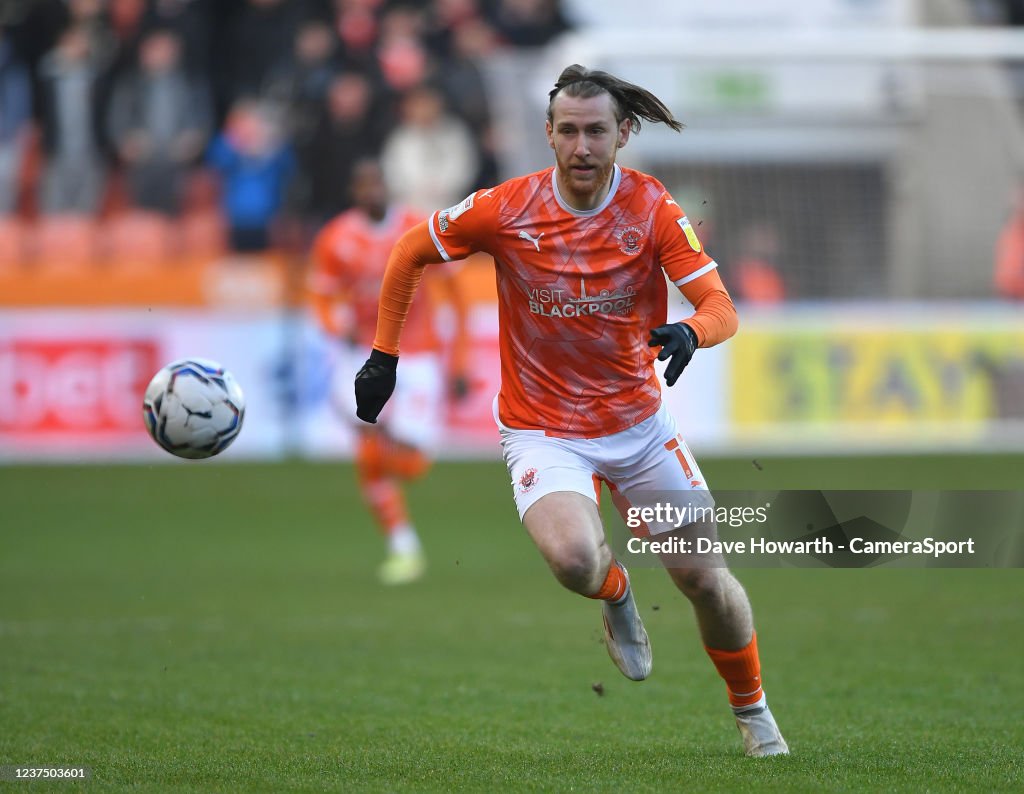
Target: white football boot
pixel 761 736
pixel 402 568
pixel 626 637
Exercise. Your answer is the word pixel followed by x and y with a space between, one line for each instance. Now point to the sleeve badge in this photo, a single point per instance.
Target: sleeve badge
pixel 690 232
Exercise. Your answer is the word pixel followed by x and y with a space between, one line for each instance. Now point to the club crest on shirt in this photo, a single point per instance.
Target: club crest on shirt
pixel 631 240
pixel 528 480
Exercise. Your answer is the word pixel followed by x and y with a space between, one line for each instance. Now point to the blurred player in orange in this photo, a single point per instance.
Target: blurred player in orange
pixel 757 276
pixel 1009 271
pixel 581 252
pixel 349 257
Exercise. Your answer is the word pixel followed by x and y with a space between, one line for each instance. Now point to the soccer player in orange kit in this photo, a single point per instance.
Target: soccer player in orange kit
pixel 580 250
pixel 349 257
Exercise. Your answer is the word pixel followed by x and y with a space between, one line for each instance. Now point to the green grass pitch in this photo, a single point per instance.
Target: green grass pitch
pixel 211 627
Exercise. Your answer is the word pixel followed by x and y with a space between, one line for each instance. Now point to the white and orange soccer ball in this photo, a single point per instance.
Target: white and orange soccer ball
pixel 193 408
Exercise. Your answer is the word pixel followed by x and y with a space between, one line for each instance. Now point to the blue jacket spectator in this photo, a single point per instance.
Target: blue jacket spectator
pixel 255 166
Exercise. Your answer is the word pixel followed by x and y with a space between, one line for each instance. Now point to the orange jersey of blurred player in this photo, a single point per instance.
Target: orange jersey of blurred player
pixel 350 255
pixel 578 293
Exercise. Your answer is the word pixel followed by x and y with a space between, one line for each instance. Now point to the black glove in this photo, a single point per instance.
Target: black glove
pixel 374 384
pixel 678 342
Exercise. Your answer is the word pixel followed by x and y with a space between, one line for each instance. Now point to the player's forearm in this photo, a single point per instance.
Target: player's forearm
pixel 714 319
pixel 414 251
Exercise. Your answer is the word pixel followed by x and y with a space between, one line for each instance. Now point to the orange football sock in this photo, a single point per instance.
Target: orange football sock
pixel 387 504
pixel 742 672
pixel 615 584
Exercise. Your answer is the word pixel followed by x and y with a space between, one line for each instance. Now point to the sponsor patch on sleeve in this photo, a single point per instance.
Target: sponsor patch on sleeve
pixel 445 217
pixel 690 232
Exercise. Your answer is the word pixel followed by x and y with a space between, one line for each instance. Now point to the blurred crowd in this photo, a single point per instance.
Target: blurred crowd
pixel 188 126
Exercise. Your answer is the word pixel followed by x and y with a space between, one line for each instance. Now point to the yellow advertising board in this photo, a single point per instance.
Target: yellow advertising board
pixel 878 379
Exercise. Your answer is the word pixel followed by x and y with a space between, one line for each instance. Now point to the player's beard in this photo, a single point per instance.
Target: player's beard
pixel 592 183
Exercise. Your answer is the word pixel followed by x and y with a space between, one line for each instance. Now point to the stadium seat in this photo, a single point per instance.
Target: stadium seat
pixel 137 238
pixel 203 234
pixel 30 174
pixel 202 190
pixel 12 241
pixel 65 241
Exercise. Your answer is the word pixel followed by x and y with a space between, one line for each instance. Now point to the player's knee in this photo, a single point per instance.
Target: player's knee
pixel 408 463
pixel 577 568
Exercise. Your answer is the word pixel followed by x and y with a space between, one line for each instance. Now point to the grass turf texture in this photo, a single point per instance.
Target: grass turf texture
pixel 219 628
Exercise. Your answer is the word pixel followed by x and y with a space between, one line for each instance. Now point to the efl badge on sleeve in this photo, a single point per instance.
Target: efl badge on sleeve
pixel 445 217
pixel 461 207
pixel 691 235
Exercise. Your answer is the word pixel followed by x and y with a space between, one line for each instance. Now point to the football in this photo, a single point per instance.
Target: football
pixel 193 408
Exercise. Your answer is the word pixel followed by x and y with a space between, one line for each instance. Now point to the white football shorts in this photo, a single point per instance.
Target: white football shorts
pixel 648 459
pixel 415 413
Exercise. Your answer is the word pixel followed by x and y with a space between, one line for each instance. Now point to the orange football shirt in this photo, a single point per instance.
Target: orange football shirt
pixel 350 255
pixel 578 292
